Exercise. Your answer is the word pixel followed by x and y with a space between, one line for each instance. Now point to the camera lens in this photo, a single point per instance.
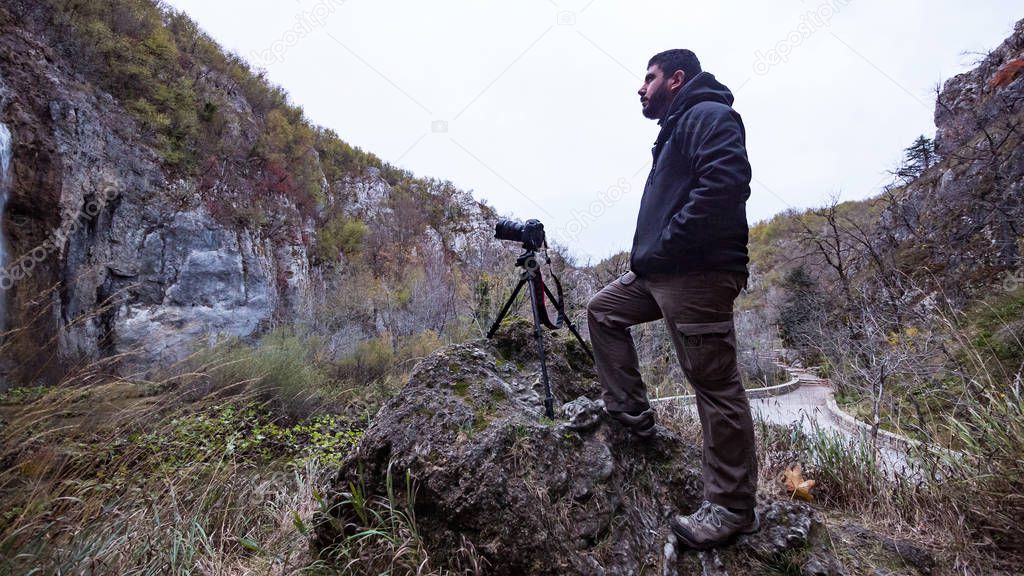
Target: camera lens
pixel 508 230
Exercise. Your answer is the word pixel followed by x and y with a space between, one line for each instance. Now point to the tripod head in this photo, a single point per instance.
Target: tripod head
pixel 528 261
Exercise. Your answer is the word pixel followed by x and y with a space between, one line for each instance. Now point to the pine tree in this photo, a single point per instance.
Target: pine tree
pixel 917 158
pixel 801 309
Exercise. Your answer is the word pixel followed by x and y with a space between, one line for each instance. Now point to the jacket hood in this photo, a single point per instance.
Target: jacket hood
pixel 702 88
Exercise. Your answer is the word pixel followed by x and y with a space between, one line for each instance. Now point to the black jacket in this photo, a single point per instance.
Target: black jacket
pixel 693 212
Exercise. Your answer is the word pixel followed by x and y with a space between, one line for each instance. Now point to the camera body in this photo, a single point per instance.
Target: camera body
pixel 530 233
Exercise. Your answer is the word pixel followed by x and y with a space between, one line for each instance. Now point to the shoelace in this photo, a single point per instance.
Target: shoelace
pixel 708 511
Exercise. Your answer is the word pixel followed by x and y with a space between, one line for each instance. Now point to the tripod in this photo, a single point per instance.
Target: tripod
pixel 531 277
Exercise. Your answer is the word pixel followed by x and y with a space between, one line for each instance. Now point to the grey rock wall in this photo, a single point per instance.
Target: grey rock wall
pixel 128 260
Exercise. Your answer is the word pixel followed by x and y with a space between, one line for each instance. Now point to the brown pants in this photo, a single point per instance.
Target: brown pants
pixel 697 309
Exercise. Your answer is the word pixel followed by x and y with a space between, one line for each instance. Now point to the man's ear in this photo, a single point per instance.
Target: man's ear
pixel 676 81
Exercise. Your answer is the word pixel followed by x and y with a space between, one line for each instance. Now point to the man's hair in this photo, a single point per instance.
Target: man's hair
pixel 677 59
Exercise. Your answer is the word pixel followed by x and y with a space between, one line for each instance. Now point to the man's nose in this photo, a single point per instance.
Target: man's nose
pixel 642 91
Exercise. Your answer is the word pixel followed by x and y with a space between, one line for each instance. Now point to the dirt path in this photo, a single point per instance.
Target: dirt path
pixel 807 406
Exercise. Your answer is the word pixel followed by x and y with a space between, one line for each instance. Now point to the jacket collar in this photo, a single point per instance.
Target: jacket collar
pixel 703 86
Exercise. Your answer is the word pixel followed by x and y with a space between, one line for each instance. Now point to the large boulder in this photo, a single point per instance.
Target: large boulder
pixel 573 495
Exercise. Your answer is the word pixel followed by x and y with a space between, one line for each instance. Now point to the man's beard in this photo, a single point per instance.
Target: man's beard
pixel 658 103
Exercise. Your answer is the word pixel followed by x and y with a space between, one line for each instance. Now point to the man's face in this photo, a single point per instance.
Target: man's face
pixel 657 92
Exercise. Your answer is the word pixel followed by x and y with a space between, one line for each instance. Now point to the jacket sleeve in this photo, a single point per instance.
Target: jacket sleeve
pixel 714 141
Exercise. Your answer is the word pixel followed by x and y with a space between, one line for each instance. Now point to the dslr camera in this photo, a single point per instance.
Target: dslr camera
pixel 530 233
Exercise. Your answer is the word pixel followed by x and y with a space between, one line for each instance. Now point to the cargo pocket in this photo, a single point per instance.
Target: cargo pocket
pixel 709 351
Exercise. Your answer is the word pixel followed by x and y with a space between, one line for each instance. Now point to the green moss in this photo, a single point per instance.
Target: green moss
pixel 518 431
pixel 461 388
pixel 498 395
pixel 481 422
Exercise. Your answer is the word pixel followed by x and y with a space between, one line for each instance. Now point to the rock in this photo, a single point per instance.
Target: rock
pixel 583 414
pixel 816 566
pixel 961 216
pixel 579 495
pixel 128 260
pixel 785 525
pixel 970 101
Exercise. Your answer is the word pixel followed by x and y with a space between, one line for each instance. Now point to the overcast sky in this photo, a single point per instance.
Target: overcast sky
pixel 532 104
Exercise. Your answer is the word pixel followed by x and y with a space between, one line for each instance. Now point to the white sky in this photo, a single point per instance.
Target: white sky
pixel 532 104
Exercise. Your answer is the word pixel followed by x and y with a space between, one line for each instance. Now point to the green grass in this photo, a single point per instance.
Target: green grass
pixel 216 468
pixel 997 329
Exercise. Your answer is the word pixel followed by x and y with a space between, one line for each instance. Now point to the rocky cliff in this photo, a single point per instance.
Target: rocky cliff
pixel 117 251
pixel 967 211
pixel 109 255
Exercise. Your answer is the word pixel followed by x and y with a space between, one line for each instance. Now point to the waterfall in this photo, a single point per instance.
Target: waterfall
pixel 5 188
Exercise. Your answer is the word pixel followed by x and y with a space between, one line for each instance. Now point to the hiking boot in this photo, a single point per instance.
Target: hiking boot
pixel 641 424
pixel 713 525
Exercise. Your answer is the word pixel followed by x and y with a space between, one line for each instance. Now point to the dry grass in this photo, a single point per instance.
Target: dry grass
pixel 86 487
pixel 383 537
pixel 963 506
pixel 216 467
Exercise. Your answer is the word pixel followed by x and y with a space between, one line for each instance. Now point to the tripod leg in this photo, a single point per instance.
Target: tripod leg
pixel 504 309
pixel 563 317
pixel 538 335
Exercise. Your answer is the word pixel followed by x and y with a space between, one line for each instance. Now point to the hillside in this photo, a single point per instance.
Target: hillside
pixel 951 223
pixel 161 191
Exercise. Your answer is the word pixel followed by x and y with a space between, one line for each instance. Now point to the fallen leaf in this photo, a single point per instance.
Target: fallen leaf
pixel 797 486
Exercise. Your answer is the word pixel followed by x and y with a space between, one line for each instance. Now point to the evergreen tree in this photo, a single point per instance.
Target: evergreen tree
pixel 917 158
pixel 800 312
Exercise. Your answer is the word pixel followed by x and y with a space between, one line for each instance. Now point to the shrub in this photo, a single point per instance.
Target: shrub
pixel 373 357
pixel 284 370
pixel 341 235
pixel 420 345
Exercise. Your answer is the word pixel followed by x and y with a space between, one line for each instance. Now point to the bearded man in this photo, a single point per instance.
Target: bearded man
pixel 687 266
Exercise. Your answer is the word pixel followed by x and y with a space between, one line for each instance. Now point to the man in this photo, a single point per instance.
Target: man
pixel 688 264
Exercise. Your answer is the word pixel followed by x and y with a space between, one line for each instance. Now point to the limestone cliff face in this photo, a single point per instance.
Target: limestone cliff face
pixel 110 255
pixel 962 219
pixel 974 100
